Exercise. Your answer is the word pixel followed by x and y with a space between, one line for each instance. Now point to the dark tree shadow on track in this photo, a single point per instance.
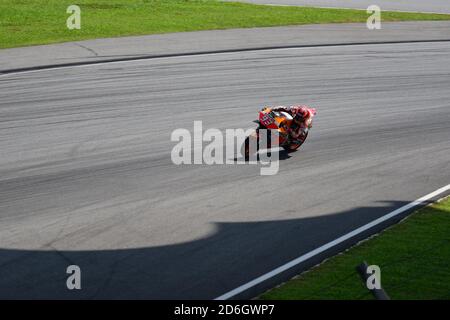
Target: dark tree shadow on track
pixel 205 268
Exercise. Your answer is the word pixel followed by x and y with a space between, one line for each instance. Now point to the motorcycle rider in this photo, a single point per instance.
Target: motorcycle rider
pixel 302 117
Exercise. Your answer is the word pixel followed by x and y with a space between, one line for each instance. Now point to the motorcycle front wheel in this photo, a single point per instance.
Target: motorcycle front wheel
pixel 294 146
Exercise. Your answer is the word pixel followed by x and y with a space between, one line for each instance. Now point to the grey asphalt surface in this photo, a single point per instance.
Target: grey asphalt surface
pixel 438 6
pixel 86 176
pixel 215 40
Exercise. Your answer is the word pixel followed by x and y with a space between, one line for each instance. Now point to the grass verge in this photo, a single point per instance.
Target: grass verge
pixel 414 258
pixel 32 22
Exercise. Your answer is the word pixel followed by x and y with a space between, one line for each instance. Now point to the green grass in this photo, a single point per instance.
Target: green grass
pixel 32 22
pixel 414 258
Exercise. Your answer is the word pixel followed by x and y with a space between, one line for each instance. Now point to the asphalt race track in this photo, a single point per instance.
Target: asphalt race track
pixel 86 176
pixel 437 6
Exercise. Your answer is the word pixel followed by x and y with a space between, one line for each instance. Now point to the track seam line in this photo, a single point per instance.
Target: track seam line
pixel 200 53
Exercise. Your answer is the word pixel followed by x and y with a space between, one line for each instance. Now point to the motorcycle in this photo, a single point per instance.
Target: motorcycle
pixel 280 121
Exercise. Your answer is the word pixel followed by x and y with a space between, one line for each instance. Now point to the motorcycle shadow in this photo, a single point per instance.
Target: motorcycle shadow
pixel 280 154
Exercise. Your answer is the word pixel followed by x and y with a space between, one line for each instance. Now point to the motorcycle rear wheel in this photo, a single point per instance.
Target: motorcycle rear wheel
pixel 246 147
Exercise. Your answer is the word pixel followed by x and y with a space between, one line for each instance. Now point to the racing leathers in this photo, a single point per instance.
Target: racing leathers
pixel 302 120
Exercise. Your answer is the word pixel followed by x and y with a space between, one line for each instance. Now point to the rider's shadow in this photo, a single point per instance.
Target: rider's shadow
pixel 280 154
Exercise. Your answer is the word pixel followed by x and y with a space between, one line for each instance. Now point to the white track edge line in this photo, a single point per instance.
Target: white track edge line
pixel 330 244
